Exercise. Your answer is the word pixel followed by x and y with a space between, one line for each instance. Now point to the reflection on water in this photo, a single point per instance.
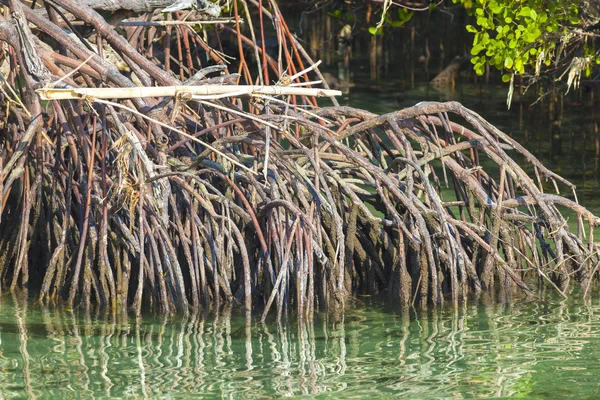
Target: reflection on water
pixel 545 349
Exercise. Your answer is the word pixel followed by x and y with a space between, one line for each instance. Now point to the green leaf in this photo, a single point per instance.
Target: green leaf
pixel 476 49
pixel 479 68
pixel 337 14
pixel 508 62
pixel 404 14
pixel 519 66
pixel 525 12
pixel 532 35
pixel 495 7
pixel 375 31
pixel 471 29
pixel 506 78
pixel 485 38
pixel 533 15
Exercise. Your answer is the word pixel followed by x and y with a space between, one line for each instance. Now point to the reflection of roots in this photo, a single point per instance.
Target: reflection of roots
pixel 300 207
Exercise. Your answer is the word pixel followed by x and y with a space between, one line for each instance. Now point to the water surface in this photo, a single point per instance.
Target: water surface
pixel 529 349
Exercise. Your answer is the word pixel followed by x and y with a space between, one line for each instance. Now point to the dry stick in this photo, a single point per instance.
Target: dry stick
pixel 137 300
pixel 265 72
pixel 204 132
pixel 85 224
pixel 551 214
pixel 552 199
pixel 453 247
pixel 246 204
pixel 94 94
pixel 198 256
pixel 261 79
pixel 188 51
pixel 187 23
pixel 500 262
pixel 425 237
pixel 104 68
pixel 247 278
pixel 175 130
pixel 175 267
pixel 186 251
pixel 23 243
pixel 180 57
pixel 90 16
pixel 23 146
pixel 484 203
pixel 57 262
pixel 282 271
pixel 163 300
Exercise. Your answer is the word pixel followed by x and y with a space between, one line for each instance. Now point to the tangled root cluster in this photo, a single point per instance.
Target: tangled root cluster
pixel 185 204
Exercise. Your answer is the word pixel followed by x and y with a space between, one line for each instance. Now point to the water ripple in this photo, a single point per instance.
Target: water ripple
pixel 530 349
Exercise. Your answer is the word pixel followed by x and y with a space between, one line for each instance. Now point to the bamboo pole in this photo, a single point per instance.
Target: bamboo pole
pixel 50 93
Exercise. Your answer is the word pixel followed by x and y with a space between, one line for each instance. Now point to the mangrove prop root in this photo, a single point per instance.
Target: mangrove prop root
pixel 190 203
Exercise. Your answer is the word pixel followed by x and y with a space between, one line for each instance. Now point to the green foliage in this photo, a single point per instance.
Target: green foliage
pixel 516 36
pixel 342 16
pixel 534 37
pixel 401 17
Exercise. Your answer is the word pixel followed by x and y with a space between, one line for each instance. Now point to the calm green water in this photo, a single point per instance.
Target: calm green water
pixel 532 350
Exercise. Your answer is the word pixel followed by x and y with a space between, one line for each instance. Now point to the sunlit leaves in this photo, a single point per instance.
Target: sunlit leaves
pixel 510 34
pixel 516 37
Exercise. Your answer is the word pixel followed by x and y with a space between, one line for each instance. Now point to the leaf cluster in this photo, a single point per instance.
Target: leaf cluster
pixel 519 35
